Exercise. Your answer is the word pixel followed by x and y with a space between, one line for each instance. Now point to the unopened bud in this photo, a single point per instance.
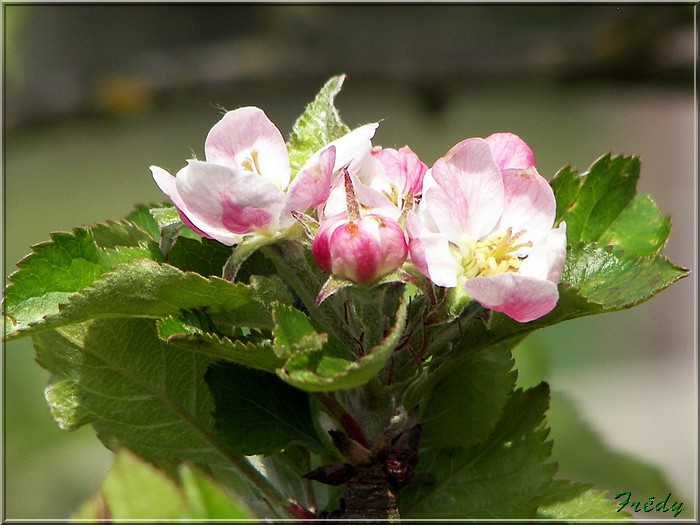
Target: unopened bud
pixel 361 250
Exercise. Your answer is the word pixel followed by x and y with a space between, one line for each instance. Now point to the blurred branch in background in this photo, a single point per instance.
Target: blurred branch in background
pixel 77 59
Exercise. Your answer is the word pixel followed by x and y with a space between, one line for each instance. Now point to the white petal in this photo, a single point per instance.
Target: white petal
pixel 547 256
pixel 246 137
pixel 431 254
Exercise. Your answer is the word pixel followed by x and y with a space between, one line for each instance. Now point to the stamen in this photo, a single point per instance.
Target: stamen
pixel 493 255
pixel 251 163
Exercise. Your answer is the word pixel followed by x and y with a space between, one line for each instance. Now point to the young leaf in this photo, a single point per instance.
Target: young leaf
pixel 501 478
pixel 260 356
pixel 566 500
pixel 317 126
pixel 294 333
pixel 142 217
pixel 590 204
pixel 468 397
pixel 321 371
pixel 136 490
pixel 595 280
pixel 145 288
pixel 115 234
pixel 256 413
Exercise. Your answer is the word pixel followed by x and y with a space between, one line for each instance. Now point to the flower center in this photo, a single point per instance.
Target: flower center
pixel 495 254
pixel 251 163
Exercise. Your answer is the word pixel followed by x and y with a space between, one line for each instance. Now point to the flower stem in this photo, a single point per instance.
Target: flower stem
pixel 292 266
pixel 344 418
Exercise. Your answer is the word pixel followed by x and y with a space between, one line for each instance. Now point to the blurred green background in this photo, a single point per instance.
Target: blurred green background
pixel 94 94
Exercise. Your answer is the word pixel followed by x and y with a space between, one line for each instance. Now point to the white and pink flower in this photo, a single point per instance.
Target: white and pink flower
pixel 385 183
pixel 358 246
pixel 485 223
pixel 245 185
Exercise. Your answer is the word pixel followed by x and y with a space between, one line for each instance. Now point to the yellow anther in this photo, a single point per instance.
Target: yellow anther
pixel 251 163
pixel 493 255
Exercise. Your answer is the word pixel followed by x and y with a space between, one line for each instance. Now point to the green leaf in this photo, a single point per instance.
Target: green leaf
pixel 115 234
pixel 569 500
pixel 203 256
pixel 134 489
pixel 142 217
pixel 467 399
pixel 64 265
pixel 256 413
pixel 294 333
pixel 501 478
pixel 207 500
pixel 317 126
pixel 324 370
pixel 595 280
pixel 145 288
pixel 641 228
pixel 592 202
pixel 616 280
pixel 260 356
pixel 134 389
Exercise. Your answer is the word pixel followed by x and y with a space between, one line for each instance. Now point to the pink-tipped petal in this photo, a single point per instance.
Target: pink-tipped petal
pixel 246 138
pixel 168 185
pixel 402 168
pixel 472 193
pixel 230 202
pixel 520 297
pixel 510 151
pixel 529 201
pixel 311 186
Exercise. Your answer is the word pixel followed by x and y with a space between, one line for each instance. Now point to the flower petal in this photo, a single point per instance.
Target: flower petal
pixel 402 168
pixel 246 138
pixel 351 148
pixel 168 185
pixel 521 297
pixel 547 257
pixel 431 254
pixel 471 195
pixel 529 201
pixel 371 201
pixel 510 151
pixel 230 202
pixel 311 186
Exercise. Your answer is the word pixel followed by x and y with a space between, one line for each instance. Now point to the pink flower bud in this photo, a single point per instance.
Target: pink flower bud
pixel 361 250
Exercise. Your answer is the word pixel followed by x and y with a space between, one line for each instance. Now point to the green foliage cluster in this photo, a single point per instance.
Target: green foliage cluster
pixel 218 383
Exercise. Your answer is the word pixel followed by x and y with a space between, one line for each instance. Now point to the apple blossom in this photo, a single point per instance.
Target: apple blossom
pixel 245 185
pixel 358 247
pixel 385 183
pixel 485 224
